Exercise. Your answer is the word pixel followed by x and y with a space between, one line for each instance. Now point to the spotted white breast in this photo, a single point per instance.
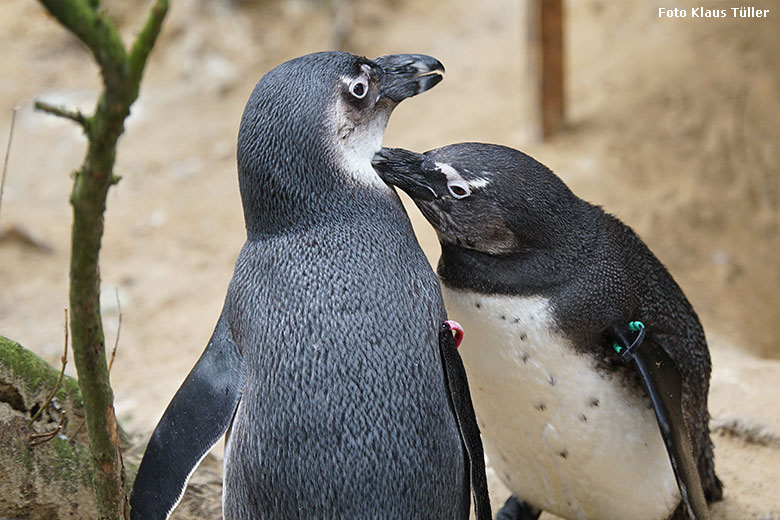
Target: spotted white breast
pixel 561 435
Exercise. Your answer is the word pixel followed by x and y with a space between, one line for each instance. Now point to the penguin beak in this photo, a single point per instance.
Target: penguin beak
pixel 406 75
pixel 404 169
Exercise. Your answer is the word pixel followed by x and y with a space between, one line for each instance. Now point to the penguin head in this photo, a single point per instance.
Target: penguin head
pixel 312 125
pixel 484 197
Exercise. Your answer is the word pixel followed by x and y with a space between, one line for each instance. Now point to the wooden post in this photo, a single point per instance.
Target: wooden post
pixel 547 42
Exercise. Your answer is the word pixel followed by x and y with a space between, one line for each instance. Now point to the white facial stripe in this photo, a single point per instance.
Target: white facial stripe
pixel 456 184
pixel 479 182
pixel 347 80
pixel 450 172
pixel 454 177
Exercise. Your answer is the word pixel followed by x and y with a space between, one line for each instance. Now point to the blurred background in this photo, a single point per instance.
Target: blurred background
pixel 671 124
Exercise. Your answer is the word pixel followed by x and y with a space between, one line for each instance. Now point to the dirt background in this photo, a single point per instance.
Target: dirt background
pixel 673 126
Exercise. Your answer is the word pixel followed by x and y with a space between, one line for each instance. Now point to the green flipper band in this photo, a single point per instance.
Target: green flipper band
pixel 635 326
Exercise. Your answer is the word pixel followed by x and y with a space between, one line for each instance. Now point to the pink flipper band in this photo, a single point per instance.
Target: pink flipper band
pixel 458 330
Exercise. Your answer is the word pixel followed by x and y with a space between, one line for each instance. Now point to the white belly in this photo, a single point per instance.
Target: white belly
pixel 560 435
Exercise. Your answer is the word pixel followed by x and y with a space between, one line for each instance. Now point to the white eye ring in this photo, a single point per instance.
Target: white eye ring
pixel 359 88
pixel 459 189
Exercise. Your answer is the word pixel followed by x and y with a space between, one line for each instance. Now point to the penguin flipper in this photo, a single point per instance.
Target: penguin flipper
pixel 460 397
pixel 663 382
pixel 196 418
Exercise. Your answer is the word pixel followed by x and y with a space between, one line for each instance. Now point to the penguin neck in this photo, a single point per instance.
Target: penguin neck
pixel 540 269
pixel 298 199
pixel 529 273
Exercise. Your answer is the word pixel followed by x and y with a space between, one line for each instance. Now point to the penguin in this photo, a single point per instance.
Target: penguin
pixel 540 279
pixel 325 368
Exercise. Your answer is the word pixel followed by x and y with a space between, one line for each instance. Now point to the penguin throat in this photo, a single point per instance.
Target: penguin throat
pixel 357 165
pixel 359 137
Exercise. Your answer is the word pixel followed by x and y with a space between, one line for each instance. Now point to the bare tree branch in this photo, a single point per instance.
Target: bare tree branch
pixel 64 361
pixel 118 331
pixel 36 439
pixel 61 111
pixel 145 40
pixel 121 74
pixel 7 154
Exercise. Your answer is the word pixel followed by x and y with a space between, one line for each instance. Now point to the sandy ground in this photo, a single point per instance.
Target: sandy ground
pixel 673 127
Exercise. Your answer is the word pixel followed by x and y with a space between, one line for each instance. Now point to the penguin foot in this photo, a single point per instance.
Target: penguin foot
pixel 679 514
pixel 514 509
pixel 715 491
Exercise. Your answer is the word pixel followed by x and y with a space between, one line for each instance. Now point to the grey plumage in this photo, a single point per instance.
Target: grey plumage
pixel 343 410
pixel 510 227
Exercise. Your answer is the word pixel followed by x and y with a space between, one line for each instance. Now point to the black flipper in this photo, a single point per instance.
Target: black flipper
pixel 460 398
pixel 663 382
pixel 197 417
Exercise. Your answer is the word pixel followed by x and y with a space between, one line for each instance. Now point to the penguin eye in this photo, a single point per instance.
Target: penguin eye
pixel 459 190
pixel 359 88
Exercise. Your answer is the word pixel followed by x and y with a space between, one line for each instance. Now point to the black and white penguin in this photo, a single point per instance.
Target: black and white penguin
pixel 325 364
pixel 537 277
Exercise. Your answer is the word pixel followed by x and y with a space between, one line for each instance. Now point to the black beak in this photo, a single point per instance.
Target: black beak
pixel 406 75
pixel 404 169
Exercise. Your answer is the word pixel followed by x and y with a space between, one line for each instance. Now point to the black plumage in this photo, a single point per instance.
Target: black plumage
pixel 509 226
pixel 329 375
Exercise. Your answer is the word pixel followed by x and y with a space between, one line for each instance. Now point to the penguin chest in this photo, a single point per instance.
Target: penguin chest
pixel 562 436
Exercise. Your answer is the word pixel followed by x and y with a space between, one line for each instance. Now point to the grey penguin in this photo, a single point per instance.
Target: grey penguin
pixel 538 277
pixel 325 367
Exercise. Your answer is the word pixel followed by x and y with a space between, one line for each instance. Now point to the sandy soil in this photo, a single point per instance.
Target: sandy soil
pixel 673 127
